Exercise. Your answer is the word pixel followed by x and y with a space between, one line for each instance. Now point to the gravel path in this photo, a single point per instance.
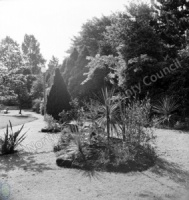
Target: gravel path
pixel 33 175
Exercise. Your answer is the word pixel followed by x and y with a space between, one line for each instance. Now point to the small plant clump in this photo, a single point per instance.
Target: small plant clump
pixel 11 140
pixel 52 125
pixel 166 110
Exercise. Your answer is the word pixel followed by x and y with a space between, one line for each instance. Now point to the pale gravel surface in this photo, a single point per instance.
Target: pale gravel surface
pixel 33 174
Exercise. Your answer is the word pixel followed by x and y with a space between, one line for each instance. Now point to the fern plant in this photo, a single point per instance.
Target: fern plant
pixel 11 140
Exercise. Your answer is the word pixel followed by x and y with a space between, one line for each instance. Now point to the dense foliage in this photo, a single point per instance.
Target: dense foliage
pixel 141 51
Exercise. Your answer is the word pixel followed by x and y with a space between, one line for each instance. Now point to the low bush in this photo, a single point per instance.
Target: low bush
pixel 182 125
pixel 11 140
pixel 73 114
pixel 64 141
pixel 9 100
pixel 52 125
pixel 36 105
pixel 134 122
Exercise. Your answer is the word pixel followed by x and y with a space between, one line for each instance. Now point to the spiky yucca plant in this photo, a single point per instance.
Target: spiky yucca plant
pixel 107 110
pixel 11 140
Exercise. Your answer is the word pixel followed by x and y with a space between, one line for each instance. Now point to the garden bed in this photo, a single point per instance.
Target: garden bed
pixel 99 156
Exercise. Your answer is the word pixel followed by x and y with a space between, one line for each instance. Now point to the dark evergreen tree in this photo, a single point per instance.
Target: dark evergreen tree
pixel 59 97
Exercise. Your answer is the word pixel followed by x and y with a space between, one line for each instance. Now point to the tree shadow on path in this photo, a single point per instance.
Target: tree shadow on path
pixel 25 161
pixel 172 170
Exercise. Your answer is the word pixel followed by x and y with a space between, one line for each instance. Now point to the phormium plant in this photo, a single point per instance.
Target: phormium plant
pixel 11 140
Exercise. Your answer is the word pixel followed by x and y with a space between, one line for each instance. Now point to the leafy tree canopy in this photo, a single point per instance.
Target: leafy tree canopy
pixel 10 54
pixel 91 34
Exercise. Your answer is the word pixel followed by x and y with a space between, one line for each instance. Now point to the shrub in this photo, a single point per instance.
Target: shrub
pixel 75 113
pixel 52 125
pixel 9 100
pixel 11 140
pixel 51 122
pixel 64 141
pixel 36 105
pixel 133 120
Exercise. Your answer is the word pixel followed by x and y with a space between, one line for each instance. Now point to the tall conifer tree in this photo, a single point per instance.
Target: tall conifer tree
pixel 59 97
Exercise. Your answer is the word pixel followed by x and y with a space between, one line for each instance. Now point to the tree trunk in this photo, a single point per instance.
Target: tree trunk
pixel 124 132
pixel 108 123
pixel 20 108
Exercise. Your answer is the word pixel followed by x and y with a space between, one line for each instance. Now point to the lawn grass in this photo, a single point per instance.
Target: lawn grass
pixel 15 120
